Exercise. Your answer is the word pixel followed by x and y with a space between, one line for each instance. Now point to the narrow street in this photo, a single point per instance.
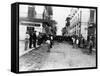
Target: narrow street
pixel 44 23
pixel 62 56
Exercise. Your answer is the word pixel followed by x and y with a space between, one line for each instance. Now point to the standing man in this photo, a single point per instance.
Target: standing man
pixel 73 39
pixel 39 39
pixel 90 46
pixel 34 38
pixel 51 41
pixel 26 40
pixel 30 38
pixel 77 42
pixel 48 42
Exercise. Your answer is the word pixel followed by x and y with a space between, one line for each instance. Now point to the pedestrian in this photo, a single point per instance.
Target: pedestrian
pixel 48 43
pixel 77 42
pixel 34 38
pixel 51 41
pixel 26 40
pixel 82 42
pixel 39 39
pixel 30 39
pixel 90 46
pixel 73 39
pixel 43 38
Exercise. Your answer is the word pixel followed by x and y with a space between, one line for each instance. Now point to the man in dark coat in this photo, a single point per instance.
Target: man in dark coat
pixel 39 38
pixel 30 39
pixel 34 38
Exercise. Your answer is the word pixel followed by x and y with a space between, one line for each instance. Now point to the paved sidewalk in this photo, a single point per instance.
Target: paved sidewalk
pixel 22 50
pixel 33 59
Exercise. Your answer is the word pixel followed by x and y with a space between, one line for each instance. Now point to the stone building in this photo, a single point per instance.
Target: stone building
pixel 80 21
pixel 31 20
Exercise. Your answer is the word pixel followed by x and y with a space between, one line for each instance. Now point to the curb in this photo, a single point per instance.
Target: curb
pixel 26 51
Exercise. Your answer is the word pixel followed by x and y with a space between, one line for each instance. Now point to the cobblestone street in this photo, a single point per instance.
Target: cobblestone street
pixel 62 56
pixel 33 59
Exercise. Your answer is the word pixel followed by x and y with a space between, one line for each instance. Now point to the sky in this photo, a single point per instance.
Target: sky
pixel 59 15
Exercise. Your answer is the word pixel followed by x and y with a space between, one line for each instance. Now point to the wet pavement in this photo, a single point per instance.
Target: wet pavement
pixel 62 56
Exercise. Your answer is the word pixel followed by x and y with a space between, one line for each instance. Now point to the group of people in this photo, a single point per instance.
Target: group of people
pixel 32 39
pixel 75 42
pixel 82 43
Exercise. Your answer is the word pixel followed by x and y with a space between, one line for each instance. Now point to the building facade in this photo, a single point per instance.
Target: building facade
pixel 80 21
pixel 32 20
pixel 31 12
pixel 75 28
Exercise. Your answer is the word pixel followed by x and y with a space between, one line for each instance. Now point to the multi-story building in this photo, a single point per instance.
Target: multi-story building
pixel 40 21
pixel 48 13
pixel 92 23
pixel 75 21
pixel 80 20
pixel 32 20
pixel 92 27
pixel 31 12
pixel 66 30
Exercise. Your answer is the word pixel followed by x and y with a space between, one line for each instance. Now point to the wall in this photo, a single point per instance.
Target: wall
pixel 74 23
pixel 85 15
pixel 79 22
pixel 23 29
